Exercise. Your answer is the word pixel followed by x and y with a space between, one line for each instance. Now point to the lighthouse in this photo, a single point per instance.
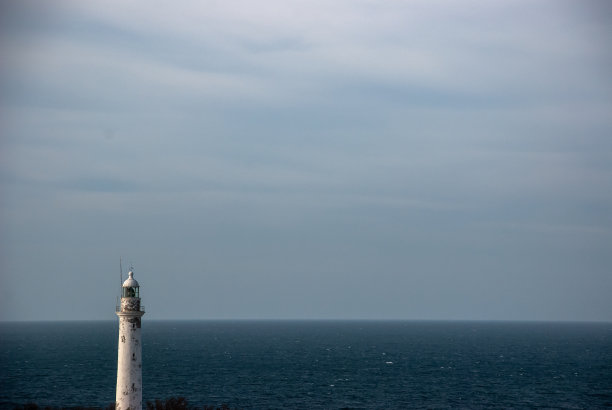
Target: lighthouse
pixel 129 358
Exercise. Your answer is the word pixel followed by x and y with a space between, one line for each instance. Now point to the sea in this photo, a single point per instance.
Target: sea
pixel 316 364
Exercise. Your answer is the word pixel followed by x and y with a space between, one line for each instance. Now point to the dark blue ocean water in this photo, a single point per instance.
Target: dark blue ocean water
pixel 317 364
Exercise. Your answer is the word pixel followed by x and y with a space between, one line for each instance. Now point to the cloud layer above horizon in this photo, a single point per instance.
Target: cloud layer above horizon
pixel 307 159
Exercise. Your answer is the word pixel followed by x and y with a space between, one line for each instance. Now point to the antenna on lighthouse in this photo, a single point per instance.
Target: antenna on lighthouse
pixel 120 275
pixel 120 282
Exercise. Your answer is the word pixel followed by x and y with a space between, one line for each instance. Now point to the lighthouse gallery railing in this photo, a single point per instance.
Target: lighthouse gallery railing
pixel 118 309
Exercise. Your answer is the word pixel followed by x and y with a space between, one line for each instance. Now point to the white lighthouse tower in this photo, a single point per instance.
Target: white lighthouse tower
pixel 129 360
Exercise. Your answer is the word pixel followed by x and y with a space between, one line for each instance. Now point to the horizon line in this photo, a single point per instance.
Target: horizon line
pixel 2 321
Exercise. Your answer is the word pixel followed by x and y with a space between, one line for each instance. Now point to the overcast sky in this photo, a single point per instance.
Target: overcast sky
pixel 307 159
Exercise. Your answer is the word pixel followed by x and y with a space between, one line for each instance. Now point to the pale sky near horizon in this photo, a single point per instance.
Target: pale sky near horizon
pixel 307 159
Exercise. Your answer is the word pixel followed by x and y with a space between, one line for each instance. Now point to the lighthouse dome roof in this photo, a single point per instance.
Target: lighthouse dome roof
pixel 131 282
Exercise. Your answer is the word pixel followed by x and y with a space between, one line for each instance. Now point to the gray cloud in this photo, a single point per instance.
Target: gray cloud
pixel 300 159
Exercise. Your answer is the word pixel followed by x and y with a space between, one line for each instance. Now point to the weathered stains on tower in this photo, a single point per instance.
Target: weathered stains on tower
pixel 129 360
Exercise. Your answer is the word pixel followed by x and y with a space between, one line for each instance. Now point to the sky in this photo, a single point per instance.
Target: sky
pixel 419 160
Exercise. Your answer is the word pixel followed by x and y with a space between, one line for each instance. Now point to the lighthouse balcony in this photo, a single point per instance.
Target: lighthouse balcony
pixel 140 308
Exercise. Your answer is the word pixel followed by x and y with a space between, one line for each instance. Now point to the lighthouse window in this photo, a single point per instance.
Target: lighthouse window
pixel 131 292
